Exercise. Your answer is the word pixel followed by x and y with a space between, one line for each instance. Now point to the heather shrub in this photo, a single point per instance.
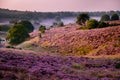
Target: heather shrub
pixel 92 24
pixel 105 17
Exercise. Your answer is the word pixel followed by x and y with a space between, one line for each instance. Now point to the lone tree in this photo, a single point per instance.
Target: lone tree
pixel 42 29
pixel 17 34
pixel 82 18
pixel 92 24
pixel 28 25
pixel 105 17
pixel 115 17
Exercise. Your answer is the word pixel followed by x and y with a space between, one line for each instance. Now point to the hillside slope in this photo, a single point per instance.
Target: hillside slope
pixel 69 40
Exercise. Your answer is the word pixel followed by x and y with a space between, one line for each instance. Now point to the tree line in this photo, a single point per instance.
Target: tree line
pixel 87 23
pixel 29 15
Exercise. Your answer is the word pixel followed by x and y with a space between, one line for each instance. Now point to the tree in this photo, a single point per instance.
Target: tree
pixel 115 17
pixel 17 34
pixel 28 25
pixel 92 24
pixel 82 18
pixel 42 29
pixel 105 17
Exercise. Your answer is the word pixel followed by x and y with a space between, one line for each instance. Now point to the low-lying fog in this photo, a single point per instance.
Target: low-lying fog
pixel 49 22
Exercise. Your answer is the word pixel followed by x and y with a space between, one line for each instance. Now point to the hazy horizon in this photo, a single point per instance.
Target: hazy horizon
pixel 60 5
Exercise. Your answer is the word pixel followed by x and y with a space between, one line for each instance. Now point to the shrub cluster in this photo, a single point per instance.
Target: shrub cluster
pixel 91 24
pixel 106 17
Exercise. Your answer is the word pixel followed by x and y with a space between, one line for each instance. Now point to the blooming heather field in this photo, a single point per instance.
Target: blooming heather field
pixel 28 65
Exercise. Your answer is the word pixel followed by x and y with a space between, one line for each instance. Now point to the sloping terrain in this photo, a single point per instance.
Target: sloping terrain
pixel 103 43
pixel 28 65
pixel 69 40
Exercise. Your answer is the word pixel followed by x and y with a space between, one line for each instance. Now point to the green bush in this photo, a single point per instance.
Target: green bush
pixel 115 17
pixel 102 24
pixel 82 18
pixel 92 24
pixel 27 25
pixel 42 29
pixel 17 34
pixel 105 17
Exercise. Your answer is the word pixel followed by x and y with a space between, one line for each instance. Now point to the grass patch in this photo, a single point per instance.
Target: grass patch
pixel 78 66
pixel 45 44
pixel 83 50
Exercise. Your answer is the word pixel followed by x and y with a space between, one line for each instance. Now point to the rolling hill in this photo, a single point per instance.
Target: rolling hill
pixel 70 40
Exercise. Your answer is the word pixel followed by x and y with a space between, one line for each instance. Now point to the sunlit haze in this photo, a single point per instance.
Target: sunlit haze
pixel 61 5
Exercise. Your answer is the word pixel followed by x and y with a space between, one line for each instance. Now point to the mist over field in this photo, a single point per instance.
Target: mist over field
pixel 49 22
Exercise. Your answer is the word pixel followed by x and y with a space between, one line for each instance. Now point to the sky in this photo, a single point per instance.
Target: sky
pixel 60 5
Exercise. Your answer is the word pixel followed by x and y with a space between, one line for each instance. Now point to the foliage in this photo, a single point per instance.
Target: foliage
pixel 4 27
pixel 115 17
pixel 42 29
pixel 105 17
pixel 92 24
pixel 28 25
pixel 82 18
pixel 102 24
pixel 17 34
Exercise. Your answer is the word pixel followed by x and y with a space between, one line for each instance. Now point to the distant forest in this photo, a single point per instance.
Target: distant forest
pixel 29 15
